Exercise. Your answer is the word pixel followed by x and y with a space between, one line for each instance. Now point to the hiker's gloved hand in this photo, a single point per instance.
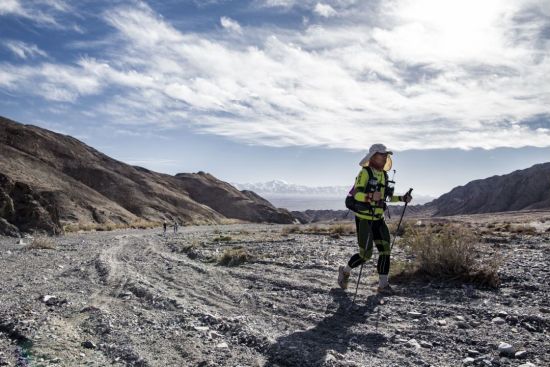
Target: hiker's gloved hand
pixel 376 196
pixel 407 198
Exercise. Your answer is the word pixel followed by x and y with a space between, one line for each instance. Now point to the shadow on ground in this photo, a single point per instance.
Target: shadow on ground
pixel 310 347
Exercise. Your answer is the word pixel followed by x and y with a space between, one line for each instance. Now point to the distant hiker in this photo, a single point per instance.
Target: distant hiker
pixel 370 192
pixel 164 228
pixel 176 226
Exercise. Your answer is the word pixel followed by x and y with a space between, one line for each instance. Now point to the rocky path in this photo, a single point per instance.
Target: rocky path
pixel 136 298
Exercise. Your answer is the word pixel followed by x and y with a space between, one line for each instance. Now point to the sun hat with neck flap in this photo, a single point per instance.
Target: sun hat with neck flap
pixel 377 148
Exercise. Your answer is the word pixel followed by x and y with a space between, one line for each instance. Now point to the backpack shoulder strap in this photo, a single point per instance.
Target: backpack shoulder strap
pixel 369 171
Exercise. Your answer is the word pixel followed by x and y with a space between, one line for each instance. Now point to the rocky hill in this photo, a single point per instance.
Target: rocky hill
pixel 526 189
pixel 520 190
pixel 48 180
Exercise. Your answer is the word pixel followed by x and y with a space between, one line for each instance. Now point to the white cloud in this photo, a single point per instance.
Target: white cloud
pixel 324 10
pixel 230 24
pixel 51 81
pixel 24 50
pixel 42 12
pixel 462 75
pixel 10 6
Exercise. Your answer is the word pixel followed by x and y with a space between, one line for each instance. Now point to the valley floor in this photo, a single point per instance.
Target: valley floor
pixel 137 298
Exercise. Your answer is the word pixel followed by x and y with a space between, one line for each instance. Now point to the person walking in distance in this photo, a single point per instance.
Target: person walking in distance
pixel 164 225
pixel 371 190
pixel 176 226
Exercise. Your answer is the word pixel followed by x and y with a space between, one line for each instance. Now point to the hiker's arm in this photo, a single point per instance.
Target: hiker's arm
pixel 406 198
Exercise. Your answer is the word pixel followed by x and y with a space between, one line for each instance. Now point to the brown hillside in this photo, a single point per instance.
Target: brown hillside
pixel 520 190
pixel 48 180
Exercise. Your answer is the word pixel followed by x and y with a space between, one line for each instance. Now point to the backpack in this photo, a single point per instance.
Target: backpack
pixel 358 206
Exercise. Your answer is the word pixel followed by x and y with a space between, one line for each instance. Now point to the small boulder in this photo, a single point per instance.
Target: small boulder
pixel 506 349
pixel 521 354
pixel 88 344
pixel 222 345
pixel 413 343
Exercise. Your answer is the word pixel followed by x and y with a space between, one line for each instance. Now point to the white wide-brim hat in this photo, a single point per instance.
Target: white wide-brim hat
pixel 377 148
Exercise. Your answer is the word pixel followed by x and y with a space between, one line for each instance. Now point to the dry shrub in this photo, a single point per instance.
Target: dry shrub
pixel 522 229
pixel 143 224
pixel 234 257
pixel 450 253
pixel 333 229
pixel 405 226
pixel 290 229
pixel 221 238
pixel 42 243
pixel 102 227
pixel 342 229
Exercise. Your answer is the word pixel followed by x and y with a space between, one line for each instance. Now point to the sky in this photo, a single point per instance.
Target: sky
pixel 294 90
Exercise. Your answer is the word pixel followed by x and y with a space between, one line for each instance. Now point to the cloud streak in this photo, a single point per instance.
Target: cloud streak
pixel 454 75
pixel 42 12
pixel 24 50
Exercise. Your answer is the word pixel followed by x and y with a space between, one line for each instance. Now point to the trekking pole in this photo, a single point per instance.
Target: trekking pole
pixel 400 219
pixel 357 285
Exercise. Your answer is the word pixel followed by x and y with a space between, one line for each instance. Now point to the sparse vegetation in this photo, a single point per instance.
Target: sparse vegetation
pixel 332 229
pixel 222 238
pixel 449 252
pixel 522 229
pixel 101 227
pixel 290 229
pixel 405 225
pixel 41 243
pixel 342 229
pixel 234 257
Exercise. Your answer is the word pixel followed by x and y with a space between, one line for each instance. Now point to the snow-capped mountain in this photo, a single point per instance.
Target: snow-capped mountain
pixel 281 187
pixel 299 197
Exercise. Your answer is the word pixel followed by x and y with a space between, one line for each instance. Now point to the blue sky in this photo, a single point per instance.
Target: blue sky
pixel 257 90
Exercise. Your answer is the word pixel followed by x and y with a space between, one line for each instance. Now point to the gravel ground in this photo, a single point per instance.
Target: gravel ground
pixel 137 298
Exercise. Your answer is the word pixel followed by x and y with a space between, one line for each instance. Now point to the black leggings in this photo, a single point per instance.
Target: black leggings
pixel 368 232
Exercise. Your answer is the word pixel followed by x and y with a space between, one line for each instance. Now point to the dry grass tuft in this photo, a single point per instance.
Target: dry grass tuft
pixel 522 229
pixel 221 238
pixel 342 229
pixel 41 243
pixel 234 257
pixel 450 253
pixel 102 227
pixel 290 229
pixel 333 229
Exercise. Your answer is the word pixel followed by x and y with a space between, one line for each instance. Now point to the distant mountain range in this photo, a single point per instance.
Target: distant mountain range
pixel 300 198
pixel 279 187
pixel 48 180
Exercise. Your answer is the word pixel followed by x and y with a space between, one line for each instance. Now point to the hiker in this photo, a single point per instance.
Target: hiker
pixel 175 226
pixel 371 190
pixel 164 227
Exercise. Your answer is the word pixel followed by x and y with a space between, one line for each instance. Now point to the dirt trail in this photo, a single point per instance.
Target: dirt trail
pixel 136 298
